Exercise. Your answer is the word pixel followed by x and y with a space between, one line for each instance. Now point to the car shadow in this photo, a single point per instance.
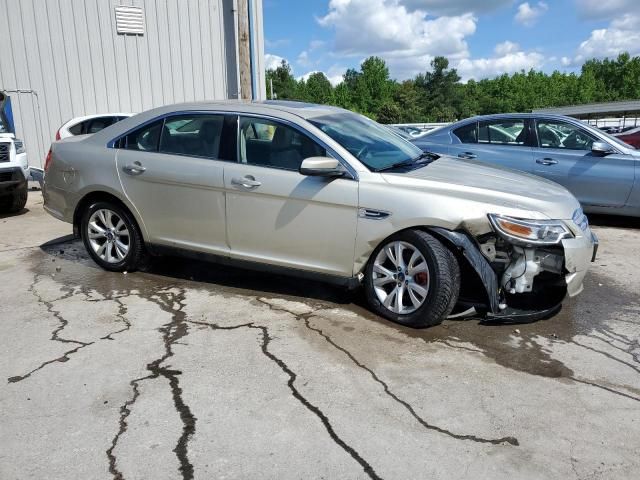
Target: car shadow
pixel 246 281
pixel 617 221
pixel 14 214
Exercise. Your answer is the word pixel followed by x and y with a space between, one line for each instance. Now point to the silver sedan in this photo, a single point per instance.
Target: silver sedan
pixel 322 192
pixel 600 170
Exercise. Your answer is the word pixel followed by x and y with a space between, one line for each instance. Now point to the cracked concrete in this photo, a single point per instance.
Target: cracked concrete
pixel 191 370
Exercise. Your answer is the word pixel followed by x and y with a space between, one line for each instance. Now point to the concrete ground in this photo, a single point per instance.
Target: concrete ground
pixel 190 370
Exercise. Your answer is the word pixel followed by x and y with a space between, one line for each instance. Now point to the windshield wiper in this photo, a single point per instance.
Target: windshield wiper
pixel 412 161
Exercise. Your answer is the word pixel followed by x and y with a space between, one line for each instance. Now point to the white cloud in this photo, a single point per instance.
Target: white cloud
pixel 528 15
pixel 622 35
pixel 505 48
pixel 406 39
pixel 303 59
pixel 271 62
pixel 508 59
pixel 454 7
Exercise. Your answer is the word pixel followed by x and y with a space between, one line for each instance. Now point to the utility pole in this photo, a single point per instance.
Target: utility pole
pixel 244 50
pixel 271 86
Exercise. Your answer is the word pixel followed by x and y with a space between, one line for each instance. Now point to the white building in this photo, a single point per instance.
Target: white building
pixel 66 58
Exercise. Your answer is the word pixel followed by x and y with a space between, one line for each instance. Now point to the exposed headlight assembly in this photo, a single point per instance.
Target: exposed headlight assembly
pixel 530 232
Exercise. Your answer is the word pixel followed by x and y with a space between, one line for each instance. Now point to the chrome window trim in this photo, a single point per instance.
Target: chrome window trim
pixel 352 172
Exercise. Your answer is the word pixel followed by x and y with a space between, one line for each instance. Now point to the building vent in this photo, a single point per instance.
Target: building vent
pixel 129 20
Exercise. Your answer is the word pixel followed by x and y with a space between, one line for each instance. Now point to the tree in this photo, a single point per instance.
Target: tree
pixel 318 89
pixel 284 84
pixel 388 113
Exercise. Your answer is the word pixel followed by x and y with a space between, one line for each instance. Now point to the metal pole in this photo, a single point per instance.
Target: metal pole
pixel 271 87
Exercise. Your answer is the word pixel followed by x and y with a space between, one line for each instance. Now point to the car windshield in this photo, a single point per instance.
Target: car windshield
pixel 374 145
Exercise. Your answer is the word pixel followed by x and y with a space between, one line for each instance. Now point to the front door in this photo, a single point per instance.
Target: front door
pixel 564 156
pixel 172 171
pixel 276 215
pixel 502 141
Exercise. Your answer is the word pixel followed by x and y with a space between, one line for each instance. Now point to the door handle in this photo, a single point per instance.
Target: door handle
pixel 246 182
pixel 467 155
pixel 134 169
pixel 546 161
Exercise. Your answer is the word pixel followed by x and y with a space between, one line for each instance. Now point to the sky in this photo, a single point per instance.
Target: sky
pixel 481 38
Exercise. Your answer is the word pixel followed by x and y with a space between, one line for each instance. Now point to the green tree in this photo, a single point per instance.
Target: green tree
pixel 284 84
pixel 318 89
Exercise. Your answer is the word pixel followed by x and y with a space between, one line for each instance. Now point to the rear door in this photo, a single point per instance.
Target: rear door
pixel 564 156
pixel 173 173
pixel 278 216
pixel 503 141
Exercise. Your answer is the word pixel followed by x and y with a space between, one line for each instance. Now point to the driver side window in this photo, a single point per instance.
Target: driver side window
pixel 272 144
pixel 555 134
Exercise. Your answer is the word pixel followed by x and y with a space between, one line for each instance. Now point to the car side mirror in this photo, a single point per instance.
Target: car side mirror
pixel 601 148
pixel 321 167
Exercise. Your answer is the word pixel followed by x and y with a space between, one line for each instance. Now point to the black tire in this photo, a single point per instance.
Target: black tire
pixel 444 281
pixel 136 253
pixel 16 202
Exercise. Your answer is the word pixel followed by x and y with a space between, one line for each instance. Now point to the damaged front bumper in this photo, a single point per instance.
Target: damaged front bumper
pixel 532 282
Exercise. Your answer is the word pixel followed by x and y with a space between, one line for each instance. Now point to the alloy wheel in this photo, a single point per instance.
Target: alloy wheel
pixel 108 235
pixel 401 277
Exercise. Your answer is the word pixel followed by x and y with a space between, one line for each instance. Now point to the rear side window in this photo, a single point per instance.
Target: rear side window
pixel 194 135
pixel 78 128
pixel 502 132
pixel 145 138
pixel 467 133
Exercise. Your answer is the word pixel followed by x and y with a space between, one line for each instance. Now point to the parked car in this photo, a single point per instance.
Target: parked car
pixel 89 124
pixel 630 137
pixel 14 165
pixel 601 170
pixel 325 193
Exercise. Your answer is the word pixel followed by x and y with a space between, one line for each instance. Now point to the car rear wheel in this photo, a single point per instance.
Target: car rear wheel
pixel 413 279
pixel 111 237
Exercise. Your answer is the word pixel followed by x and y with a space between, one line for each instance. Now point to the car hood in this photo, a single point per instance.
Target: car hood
pixel 496 187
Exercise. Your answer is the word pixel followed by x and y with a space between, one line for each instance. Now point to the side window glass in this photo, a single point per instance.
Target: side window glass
pixel 273 144
pixel 553 134
pixel 77 128
pixel 98 124
pixel 502 132
pixel 195 135
pixel 145 138
pixel 467 133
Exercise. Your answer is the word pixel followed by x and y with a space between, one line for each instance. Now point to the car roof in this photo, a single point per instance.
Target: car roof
pixel 300 109
pixel 516 114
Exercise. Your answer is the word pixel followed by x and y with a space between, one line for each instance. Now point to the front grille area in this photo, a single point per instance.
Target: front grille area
pixel 4 152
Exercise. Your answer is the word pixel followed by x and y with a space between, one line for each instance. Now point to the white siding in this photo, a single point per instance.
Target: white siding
pixel 69 54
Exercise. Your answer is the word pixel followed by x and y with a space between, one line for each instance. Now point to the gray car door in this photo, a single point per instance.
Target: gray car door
pixel 278 216
pixel 173 174
pixel 564 156
pixel 501 141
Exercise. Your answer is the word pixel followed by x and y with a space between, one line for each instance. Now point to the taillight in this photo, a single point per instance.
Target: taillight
pixel 47 161
pixel 58 135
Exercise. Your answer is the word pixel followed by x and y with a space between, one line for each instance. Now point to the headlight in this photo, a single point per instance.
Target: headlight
pixel 533 232
pixel 19 146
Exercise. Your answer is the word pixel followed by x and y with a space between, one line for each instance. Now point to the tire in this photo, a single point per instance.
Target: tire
pixel 16 202
pixel 442 282
pixel 105 216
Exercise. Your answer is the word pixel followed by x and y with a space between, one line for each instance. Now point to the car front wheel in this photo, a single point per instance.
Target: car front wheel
pixel 412 279
pixel 111 236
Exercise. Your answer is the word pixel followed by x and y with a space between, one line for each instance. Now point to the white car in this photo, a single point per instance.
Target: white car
pixel 89 124
pixel 14 172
